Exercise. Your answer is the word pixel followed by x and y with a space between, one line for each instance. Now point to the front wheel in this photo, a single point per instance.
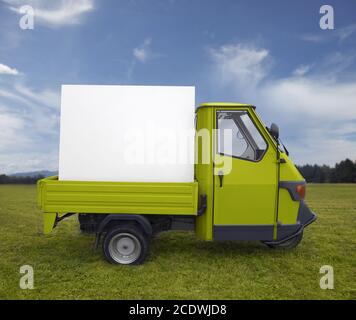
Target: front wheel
pixel 126 245
pixel 289 244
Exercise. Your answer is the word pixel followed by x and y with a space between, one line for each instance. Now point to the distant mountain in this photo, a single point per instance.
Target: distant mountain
pixel 45 173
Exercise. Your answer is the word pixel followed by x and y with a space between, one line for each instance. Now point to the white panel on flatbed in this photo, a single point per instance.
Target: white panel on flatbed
pixel 127 133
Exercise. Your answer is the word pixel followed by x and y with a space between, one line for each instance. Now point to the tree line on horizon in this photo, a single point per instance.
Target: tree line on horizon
pixel 343 172
pixel 5 179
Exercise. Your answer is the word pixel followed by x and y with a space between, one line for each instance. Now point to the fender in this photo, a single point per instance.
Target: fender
pixel 305 218
pixel 142 221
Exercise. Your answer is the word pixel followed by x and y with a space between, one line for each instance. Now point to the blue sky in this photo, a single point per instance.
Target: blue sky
pixel 269 53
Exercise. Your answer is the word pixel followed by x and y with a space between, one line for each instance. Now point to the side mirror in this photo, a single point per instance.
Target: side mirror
pixel 274 131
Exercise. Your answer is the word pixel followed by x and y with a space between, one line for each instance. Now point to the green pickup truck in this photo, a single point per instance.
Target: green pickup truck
pixel 259 196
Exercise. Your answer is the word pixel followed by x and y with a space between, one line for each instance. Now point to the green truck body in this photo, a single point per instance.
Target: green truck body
pixel 258 196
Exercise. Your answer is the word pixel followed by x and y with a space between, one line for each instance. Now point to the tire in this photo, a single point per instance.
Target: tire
pixel 126 244
pixel 289 244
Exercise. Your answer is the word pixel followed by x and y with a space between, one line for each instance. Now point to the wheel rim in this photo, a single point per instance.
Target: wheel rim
pixel 124 248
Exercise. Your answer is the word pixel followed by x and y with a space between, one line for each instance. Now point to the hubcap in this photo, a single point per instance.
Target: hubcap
pixel 124 248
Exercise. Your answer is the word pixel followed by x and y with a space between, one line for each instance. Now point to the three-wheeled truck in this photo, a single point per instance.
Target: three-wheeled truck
pixel 259 196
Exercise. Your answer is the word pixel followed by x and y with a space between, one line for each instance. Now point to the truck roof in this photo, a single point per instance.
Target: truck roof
pixel 224 104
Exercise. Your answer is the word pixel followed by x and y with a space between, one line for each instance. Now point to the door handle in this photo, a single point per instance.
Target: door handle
pixel 221 177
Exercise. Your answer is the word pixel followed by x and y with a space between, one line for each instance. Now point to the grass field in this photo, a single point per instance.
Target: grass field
pixel 179 266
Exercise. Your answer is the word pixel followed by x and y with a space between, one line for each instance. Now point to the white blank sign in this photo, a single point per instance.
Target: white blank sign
pixel 127 133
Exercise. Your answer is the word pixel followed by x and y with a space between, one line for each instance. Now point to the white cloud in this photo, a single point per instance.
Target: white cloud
pixel 336 64
pixel 10 125
pixel 143 53
pixel 313 96
pixel 340 34
pixel 316 112
pixel 29 122
pixel 317 38
pixel 55 13
pixel 4 69
pixel 301 70
pixel 46 97
pixel 244 64
pixel 10 95
pixel 28 161
pixel 34 99
pixel 344 33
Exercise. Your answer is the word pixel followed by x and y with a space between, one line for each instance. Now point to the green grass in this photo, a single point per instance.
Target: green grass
pixel 179 266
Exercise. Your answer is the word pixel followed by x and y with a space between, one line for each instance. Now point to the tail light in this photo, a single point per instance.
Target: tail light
pixel 301 190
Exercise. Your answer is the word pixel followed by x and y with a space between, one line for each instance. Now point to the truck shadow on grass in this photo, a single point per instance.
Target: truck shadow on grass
pixel 186 245
pixel 75 248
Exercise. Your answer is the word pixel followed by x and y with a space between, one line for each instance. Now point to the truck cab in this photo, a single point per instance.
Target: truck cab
pixel 246 188
pixel 254 191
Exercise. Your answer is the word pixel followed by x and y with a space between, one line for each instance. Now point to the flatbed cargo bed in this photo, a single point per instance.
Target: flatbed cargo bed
pixel 62 197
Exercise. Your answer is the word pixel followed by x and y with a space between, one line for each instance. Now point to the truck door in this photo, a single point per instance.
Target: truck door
pixel 245 178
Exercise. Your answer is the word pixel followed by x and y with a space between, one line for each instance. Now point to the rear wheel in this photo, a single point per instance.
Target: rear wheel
pixel 126 245
pixel 289 244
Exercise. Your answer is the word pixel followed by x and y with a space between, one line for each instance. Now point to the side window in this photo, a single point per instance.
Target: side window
pixel 238 136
